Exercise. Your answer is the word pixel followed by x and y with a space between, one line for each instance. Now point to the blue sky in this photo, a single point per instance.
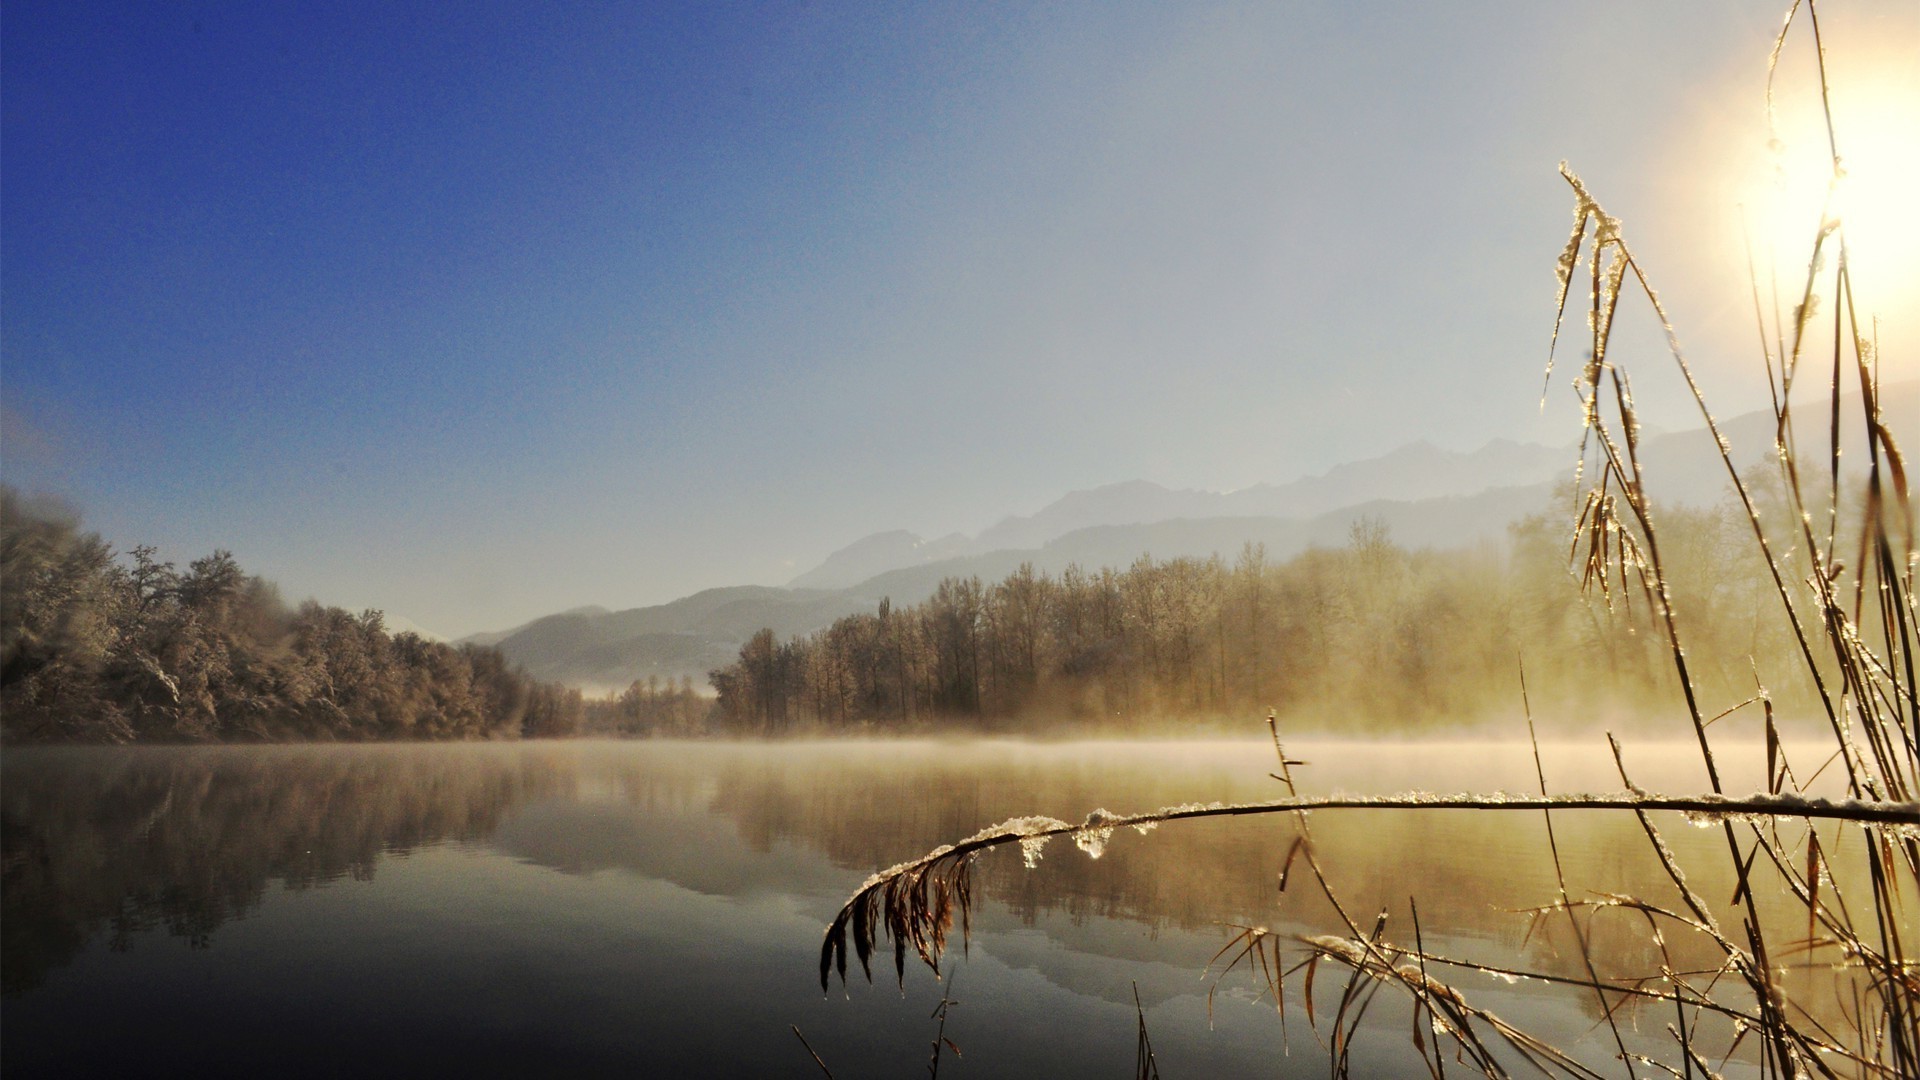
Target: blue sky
pixel 477 312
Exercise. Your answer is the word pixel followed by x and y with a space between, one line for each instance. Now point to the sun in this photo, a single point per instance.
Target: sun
pixel 1746 180
pixel 1871 201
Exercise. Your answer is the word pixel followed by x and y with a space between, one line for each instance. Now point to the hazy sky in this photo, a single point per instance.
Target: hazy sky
pixel 476 312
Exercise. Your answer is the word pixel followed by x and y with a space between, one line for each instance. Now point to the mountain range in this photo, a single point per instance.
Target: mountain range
pixel 1425 495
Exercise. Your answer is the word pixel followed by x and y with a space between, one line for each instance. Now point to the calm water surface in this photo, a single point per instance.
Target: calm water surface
pixel 656 908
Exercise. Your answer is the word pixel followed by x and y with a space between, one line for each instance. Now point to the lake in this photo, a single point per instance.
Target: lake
pixel 656 908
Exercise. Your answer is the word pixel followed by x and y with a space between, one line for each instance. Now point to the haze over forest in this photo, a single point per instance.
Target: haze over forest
pixel 1425 498
pixel 1407 611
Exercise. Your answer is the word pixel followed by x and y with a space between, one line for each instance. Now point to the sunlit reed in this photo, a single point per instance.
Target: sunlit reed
pixel 1845 590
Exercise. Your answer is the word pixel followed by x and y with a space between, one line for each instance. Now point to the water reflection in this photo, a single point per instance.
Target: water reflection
pixel 1476 876
pixel 111 845
pixel 118 841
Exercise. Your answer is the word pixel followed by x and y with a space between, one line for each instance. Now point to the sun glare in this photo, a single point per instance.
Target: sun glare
pixel 1870 198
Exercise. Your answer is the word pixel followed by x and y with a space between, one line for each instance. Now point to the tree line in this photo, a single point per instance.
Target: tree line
pixel 1367 637
pixel 98 648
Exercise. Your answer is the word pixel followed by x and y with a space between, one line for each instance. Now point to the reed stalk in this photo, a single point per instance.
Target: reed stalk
pixel 1851 611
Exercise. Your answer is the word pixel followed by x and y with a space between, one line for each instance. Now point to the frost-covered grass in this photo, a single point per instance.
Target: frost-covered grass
pixel 1832 991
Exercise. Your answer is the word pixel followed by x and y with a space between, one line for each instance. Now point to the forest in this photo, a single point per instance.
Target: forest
pixel 1368 638
pixel 98 648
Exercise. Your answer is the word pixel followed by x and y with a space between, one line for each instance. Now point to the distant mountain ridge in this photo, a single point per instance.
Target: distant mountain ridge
pixel 696 634
pixel 879 552
pixel 1413 472
pixel 1427 497
pixel 599 649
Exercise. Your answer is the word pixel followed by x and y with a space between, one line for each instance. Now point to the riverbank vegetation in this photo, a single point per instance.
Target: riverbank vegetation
pixel 1356 640
pixel 95 648
pixel 1829 987
pixel 1362 639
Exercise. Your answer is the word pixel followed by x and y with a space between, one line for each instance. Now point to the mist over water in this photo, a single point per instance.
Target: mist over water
pixel 610 907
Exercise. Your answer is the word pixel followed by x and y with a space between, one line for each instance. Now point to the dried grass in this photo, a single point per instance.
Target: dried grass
pixel 1856 628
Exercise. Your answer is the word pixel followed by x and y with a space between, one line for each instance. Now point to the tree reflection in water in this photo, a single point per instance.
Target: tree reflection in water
pixel 129 840
pixel 109 845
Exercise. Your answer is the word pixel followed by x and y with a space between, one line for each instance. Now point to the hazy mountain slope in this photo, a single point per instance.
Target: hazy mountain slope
pixel 612 665
pixel 1683 466
pixel 1410 473
pixel 1112 504
pixel 495 637
pixel 862 559
pixel 689 636
pixel 596 648
pixel 693 635
pixel 1445 522
pixel 877 554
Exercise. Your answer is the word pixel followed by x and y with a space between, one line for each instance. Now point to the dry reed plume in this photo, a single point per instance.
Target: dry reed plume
pixel 1846 590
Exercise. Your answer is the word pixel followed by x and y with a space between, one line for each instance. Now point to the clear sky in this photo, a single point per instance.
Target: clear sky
pixel 477 312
